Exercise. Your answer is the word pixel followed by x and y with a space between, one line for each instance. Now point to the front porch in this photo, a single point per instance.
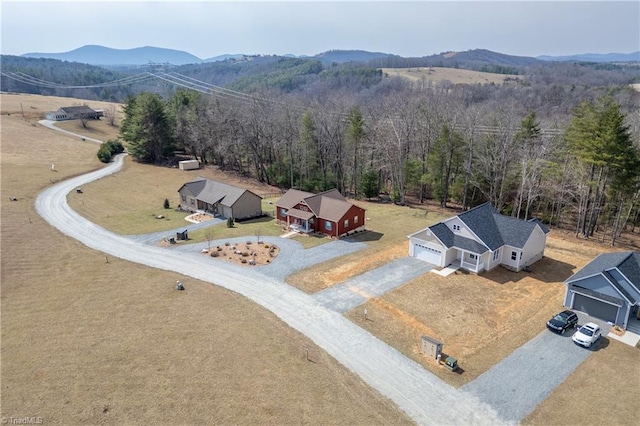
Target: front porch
pixel 470 261
pixel 300 221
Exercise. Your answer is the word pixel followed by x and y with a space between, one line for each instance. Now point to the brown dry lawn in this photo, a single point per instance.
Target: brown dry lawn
pixel 454 75
pixel 603 391
pixel 479 318
pixel 90 341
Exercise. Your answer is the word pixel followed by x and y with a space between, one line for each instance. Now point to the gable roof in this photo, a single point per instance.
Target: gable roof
pixel 496 230
pixel 481 221
pixel 78 109
pixel 449 239
pixel 212 192
pixel 627 262
pixel 329 205
pixel 292 197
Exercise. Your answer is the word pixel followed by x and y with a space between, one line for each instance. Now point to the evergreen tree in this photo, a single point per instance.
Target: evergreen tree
pixel 146 128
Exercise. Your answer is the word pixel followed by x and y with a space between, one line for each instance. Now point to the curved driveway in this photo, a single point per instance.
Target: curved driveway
pixel 423 396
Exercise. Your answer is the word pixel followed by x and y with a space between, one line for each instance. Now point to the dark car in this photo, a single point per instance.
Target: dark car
pixel 563 320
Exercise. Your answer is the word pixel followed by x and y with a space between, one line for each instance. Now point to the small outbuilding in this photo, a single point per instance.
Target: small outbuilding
pixel 189 165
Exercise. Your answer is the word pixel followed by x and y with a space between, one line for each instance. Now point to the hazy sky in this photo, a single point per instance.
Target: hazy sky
pixel 410 28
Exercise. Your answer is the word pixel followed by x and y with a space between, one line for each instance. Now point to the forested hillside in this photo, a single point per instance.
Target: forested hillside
pixel 559 142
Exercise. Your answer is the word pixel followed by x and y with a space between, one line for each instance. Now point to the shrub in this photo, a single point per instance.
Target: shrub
pixel 166 203
pixel 108 149
pixel 215 254
pixel 230 222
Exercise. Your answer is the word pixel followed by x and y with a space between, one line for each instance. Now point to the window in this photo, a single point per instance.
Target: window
pixel 328 226
pixel 355 220
pixel 346 223
pixel 496 254
pixel 514 255
pixel 283 212
pixel 184 197
pixel 456 227
pixel 472 256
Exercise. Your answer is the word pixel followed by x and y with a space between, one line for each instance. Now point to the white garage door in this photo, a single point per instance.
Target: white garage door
pixel 427 254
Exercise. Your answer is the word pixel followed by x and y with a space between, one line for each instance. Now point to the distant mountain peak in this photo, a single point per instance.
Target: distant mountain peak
pixel 101 55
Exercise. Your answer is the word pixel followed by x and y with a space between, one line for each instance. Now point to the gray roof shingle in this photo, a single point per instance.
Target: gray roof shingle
pixel 329 205
pixel 630 267
pixel 481 220
pixel 601 263
pixel 213 192
pixel 449 239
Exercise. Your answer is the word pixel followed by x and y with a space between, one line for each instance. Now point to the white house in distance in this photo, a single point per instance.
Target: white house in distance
pixel 481 239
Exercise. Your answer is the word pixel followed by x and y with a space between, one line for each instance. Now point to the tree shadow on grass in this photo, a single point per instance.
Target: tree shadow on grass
pixel 364 237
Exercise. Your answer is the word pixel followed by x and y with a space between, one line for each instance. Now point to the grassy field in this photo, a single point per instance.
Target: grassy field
pixel 86 341
pixel 454 75
pixel 388 226
pixel 604 390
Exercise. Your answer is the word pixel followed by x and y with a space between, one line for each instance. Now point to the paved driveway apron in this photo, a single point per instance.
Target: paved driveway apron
pixel 357 290
pixel 521 381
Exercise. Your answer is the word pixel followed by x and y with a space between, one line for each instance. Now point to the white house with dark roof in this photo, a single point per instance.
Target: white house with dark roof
pixel 608 288
pixel 481 239
pixel 219 199
pixel 74 113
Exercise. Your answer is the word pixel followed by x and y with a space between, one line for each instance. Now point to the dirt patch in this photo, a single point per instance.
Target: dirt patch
pixel 479 318
pixel 245 254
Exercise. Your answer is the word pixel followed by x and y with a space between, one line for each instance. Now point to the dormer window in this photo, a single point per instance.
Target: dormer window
pixel 456 227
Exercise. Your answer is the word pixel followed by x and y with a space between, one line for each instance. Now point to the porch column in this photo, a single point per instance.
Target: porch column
pixel 477 262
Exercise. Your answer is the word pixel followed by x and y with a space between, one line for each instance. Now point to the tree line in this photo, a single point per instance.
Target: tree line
pixel 413 142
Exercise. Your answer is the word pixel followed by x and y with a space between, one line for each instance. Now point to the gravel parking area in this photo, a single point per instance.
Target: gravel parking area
pixel 292 257
pixel 356 291
pixel 521 381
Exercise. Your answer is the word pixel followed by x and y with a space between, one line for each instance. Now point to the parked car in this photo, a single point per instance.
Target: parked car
pixel 563 320
pixel 587 335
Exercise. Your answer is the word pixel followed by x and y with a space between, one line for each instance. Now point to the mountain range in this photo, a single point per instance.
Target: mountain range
pixel 105 56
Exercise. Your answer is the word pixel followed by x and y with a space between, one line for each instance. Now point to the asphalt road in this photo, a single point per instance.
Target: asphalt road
pixel 423 396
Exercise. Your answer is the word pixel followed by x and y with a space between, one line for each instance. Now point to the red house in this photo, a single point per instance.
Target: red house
pixel 327 213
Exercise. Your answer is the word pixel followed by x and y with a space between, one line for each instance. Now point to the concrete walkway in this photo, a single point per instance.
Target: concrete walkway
pixel 357 290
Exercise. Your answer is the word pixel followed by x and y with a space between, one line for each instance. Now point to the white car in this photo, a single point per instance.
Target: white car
pixel 587 335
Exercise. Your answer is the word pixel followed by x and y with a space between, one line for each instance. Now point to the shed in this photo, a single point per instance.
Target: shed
pixel 189 164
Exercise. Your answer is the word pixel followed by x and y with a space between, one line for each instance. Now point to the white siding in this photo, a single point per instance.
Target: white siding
pixel 464 231
pixel 534 247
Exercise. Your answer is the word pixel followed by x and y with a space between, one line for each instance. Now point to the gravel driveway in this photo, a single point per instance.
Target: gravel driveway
pixel 522 380
pixel 423 396
pixel 356 291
